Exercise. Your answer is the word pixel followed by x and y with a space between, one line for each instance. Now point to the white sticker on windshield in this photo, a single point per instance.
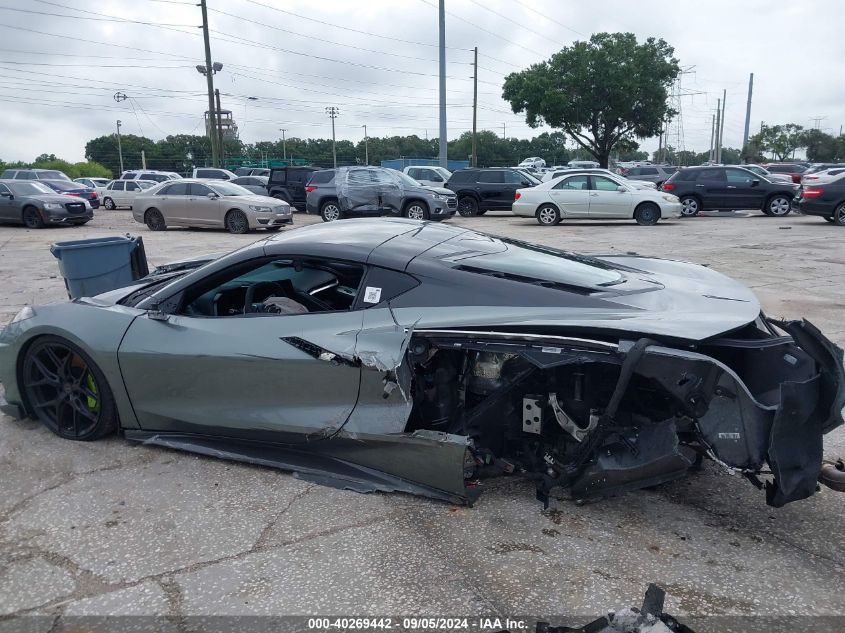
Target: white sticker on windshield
pixel 372 294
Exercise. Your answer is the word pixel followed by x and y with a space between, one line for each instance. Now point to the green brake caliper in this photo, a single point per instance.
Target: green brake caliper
pixel 92 386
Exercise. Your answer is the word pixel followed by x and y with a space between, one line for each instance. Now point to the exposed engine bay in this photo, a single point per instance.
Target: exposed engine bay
pixel 602 417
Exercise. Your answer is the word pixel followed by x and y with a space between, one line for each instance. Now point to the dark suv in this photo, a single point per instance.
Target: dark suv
pixel 490 189
pixel 727 188
pixel 288 184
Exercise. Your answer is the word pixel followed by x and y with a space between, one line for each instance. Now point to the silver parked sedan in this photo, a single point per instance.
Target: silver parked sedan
pixel 209 203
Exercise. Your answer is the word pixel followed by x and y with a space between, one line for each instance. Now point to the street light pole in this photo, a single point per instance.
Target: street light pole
pixel 119 148
pixel 210 81
pixel 220 148
pixel 332 111
pixel 284 147
pixel 366 147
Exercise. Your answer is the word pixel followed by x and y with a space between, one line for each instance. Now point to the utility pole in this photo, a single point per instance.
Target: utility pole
pixel 504 132
pixel 210 82
pixel 143 160
pixel 747 113
pixel 333 112
pixel 474 105
pixel 284 147
pixel 443 141
pixel 660 146
pixel 366 146
pixel 220 147
pixel 712 136
pixel 119 149
pixel 718 130
pixel 722 126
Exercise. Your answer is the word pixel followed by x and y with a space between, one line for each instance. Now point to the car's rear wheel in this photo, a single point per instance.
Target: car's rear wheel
pixel 839 215
pixel 109 204
pixel 467 206
pixel 236 222
pixel 647 214
pixel 779 206
pixel 154 220
pixel 330 211
pixel 416 211
pixel 32 218
pixel 690 206
pixel 66 391
pixel 548 215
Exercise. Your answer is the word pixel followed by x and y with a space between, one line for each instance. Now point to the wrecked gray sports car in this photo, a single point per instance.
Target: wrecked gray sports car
pixel 412 356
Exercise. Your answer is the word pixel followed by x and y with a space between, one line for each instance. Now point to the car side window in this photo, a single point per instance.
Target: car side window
pixel 132 186
pixel 196 189
pixel 25 175
pixel 514 177
pixel 491 176
pixel 4 190
pixel 118 185
pixel 711 175
pixel 600 183
pixel 129 175
pixel 736 175
pixel 649 171
pixel 415 173
pixel 276 287
pixel 573 183
pixel 177 189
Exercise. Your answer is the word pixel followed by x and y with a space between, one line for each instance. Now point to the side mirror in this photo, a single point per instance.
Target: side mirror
pixel 212 196
pixel 155 314
pixel 526 183
pixel 621 189
pixel 755 182
pixel 7 194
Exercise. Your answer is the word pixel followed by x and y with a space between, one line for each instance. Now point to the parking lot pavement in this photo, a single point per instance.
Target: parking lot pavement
pixel 112 528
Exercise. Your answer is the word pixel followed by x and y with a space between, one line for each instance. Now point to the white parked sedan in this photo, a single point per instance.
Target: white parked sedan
pixel 596 197
pixel 122 193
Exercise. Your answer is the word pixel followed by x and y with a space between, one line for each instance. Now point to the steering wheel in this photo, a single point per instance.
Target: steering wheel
pixel 274 289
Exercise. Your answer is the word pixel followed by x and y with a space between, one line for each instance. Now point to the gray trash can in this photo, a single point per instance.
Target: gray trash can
pixel 100 264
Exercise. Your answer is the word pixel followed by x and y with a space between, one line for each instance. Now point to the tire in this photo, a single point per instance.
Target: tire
pixel 109 204
pixel 32 218
pixel 236 222
pixel 154 220
pixel 416 211
pixel 330 211
pixel 778 206
pixel 647 214
pixel 467 206
pixel 839 215
pixel 482 211
pixel 66 391
pixel 272 229
pixel 690 206
pixel 548 215
pixel 829 218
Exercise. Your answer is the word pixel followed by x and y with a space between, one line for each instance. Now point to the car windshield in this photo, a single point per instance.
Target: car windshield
pixel 229 189
pixel 28 188
pixel 542 265
pixel 52 175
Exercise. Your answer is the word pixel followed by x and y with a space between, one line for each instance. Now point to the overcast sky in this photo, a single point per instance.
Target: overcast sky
pixel 377 61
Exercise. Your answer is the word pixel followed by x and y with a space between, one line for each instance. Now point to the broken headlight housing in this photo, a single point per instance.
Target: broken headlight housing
pixel 25 313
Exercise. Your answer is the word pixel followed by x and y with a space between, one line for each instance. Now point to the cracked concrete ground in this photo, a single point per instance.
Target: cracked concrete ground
pixel 110 528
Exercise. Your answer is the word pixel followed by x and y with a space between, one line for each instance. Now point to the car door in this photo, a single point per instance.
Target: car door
pixel 572 196
pixel 131 191
pixel 8 208
pixel 607 201
pixel 261 376
pixel 200 209
pixel 740 190
pixel 171 200
pixel 116 191
pixel 711 187
pixel 489 188
pixel 390 193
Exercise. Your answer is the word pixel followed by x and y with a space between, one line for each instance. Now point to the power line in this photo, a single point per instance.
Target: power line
pixel 510 20
pixel 546 17
pixel 326 41
pixel 348 28
pixel 480 28
pixel 92 19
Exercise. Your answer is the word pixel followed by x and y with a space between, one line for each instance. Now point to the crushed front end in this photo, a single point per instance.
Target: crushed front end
pixel 599 416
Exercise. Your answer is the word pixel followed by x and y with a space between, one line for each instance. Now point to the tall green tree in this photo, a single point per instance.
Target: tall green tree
pixel 600 92
pixel 780 140
pixel 820 147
